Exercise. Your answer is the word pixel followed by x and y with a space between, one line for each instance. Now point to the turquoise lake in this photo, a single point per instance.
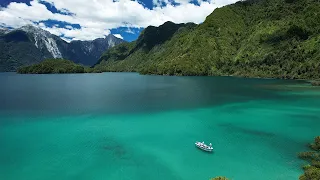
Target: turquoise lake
pixel 124 126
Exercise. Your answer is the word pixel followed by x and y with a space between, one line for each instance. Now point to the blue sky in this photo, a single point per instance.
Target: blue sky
pixel 90 19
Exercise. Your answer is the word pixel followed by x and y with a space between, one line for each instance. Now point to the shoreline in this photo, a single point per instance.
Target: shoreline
pixel 309 81
pixel 235 76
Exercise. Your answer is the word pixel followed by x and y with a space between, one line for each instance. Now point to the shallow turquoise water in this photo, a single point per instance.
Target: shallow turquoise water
pixel 126 126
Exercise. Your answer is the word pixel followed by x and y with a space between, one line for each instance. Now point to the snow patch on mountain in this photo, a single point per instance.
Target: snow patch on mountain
pixel 4 31
pixel 43 39
pixel 111 42
pixel 53 48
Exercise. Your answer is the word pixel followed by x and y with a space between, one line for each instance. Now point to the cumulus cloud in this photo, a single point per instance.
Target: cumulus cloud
pixel 161 2
pixel 69 27
pixel 97 17
pixel 118 36
pixel 130 31
pixel 85 33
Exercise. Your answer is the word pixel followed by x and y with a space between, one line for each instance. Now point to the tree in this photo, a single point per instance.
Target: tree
pixel 219 178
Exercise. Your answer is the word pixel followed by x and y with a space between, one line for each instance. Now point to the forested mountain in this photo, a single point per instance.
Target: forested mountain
pixel 255 38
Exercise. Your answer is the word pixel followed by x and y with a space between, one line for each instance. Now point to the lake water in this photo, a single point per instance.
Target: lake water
pixel 120 126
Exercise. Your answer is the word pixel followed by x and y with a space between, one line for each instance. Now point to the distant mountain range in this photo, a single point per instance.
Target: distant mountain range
pixel 252 38
pixel 29 45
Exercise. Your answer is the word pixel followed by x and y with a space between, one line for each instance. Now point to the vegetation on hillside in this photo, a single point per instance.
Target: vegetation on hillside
pixel 56 66
pixel 315 83
pixel 253 38
pixel 16 49
pixel 312 170
pixel 27 46
pixel 219 178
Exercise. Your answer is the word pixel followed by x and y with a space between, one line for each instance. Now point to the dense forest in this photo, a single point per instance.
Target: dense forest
pixel 312 170
pixel 17 49
pixel 55 66
pixel 253 38
pixel 315 83
pixel 219 178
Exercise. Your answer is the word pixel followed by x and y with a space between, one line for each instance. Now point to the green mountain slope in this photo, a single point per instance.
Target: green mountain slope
pixel 255 38
pixel 17 49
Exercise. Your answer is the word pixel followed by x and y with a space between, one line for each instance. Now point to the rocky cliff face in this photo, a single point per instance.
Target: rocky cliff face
pixel 43 40
pixel 88 52
pixel 29 45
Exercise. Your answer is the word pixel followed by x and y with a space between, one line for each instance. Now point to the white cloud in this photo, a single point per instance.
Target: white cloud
pixel 66 39
pixel 161 2
pixel 41 25
pixel 84 33
pixel 68 27
pixel 130 31
pixel 118 36
pixel 158 3
pixel 97 17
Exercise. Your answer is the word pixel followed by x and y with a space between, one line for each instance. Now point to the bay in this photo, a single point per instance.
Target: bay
pixel 128 126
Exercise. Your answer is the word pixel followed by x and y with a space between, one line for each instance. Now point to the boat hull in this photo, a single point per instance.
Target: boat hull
pixel 207 149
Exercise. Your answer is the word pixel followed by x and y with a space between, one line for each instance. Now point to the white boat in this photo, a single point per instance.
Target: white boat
pixel 203 146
